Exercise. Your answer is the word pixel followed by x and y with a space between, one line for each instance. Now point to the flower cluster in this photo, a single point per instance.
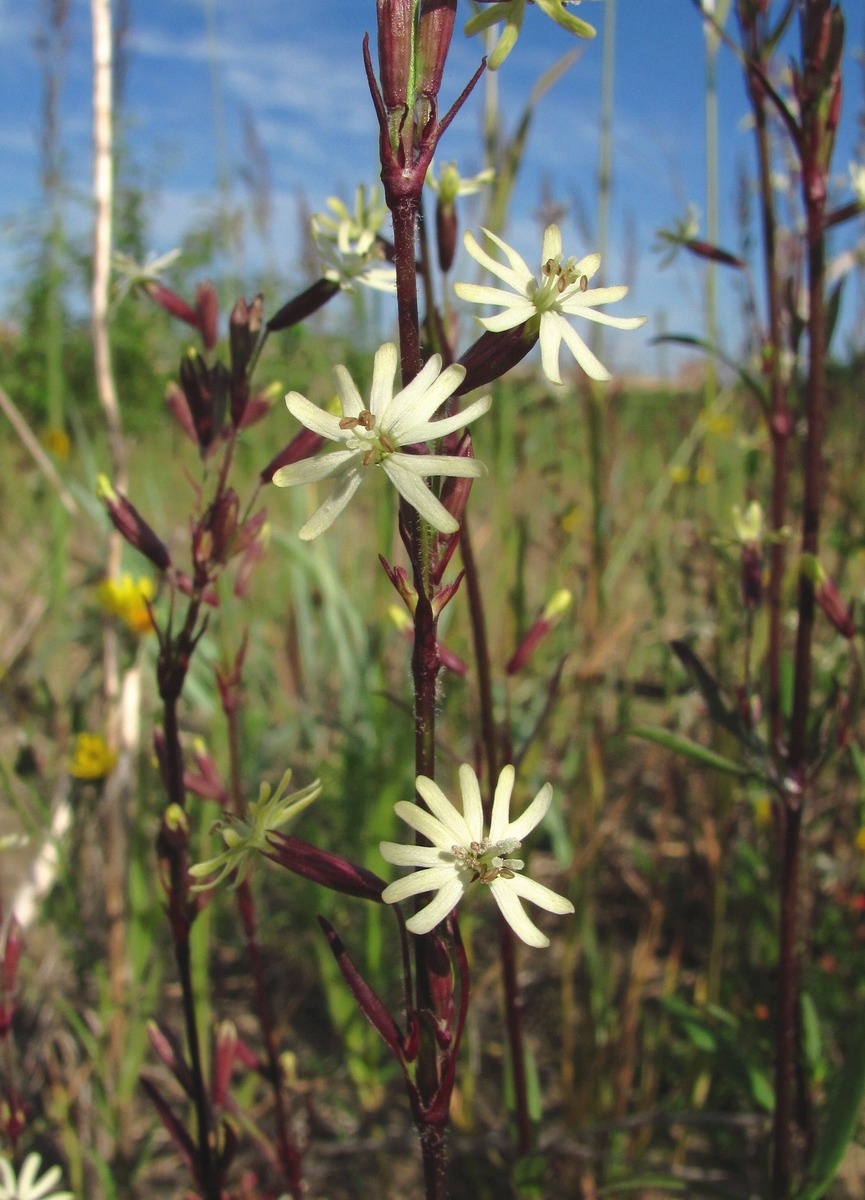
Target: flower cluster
pixel 461 854
pixel 373 436
pixel 560 289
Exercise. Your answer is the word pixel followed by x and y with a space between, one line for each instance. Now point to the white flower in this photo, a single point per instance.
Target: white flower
pixel 450 184
pixel 372 437
pixel 27 1186
pixel 348 244
pixel 560 288
pixel 857 181
pixel 460 854
pixel 246 837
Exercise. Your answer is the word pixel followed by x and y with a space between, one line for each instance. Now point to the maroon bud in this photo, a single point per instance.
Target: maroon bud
pixel 558 604
pixel 303 306
pixel 244 329
pixel 213 538
pixel 223 1061
pixel 256 410
pixel 171 302
pixel 304 445
pixel 714 253
pixel 402 584
pixel 452 661
pixel 446 233
pixel 206 392
pixel 169 1050
pixel 441 987
pixel 493 355
pixel 126 518
pixel 434 39
pixel 179 409
pixel 829 599
pixel 396 40
pixel 207 308
pixel 325 868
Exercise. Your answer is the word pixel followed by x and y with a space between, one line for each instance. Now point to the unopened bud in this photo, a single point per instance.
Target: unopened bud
pixel 828 597
pixel 304 445
pixel 493 355
pixel 207 308
pixel 555 608
pixel 434 39
pixel 304 305
pixel 206 392
pixel 126 518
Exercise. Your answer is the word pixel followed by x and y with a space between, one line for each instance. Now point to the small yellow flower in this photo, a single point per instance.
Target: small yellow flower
pixel 704 474
pixel 763 811
pixel 679 473
pixel 91 757
pixel 718 423
pixel 860 840
pixel 56 442
pixel 128 599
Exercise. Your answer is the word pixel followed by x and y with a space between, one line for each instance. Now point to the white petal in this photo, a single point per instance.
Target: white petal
pixel 438 429
pixel 311 470
pixel 476 294
pixel 588 265
pixel 418 882
pixel 442 808
pixel 581 352
pixel 552 243
pixel 517 277
pixel 534 814
pixel 411 487
pixel 499 822
pixel 604 319
pixel 514 913
pixel 437 464
pixel 536 893
pixel 413 856
pixel 417 405
pixel 349 397
pixel 551 339
pixel 8 1176
pixel 510 318
pixel 573 299
pixel 327 513
pixel 383 374
pixel 473 807
pixel 438 908
pixel 438 832
pixel 315 418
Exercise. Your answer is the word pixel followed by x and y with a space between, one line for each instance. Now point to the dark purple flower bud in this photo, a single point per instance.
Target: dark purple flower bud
pixel 206 392
pixel 126 518
pixel 207 307
pixel 493 355
pixel 304 305
pixel 169 1050
pixel 304 445
pixel 447 228
pixel 243 329
pixel 213 537
pixel 401 582
pixel 714 253
pixel 256 410
pixel 325 868
pixel 179 409
pixel 828 597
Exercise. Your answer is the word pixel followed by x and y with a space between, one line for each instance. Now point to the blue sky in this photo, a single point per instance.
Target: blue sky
pixel 293 68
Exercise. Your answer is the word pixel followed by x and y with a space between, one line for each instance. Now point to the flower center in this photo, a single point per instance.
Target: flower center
pixel 488 860
pixel 556 278
pixel 376 447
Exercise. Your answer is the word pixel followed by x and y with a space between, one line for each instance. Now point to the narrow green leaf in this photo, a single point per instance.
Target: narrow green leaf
pixel 689 749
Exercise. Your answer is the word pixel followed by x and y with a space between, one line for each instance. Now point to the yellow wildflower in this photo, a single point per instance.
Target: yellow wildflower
pixel 127 599
pixel 91 758
pixel 860 840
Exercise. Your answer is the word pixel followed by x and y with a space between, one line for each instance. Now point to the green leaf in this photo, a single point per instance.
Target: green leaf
pixel 689 749
pixel 841 1119
pixel 638 1183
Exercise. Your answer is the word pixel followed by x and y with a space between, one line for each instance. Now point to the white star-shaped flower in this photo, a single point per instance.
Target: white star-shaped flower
pixel 460 855
pixel 27 1186
pixel 372 437
pixel 560 289
pixel 348 243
